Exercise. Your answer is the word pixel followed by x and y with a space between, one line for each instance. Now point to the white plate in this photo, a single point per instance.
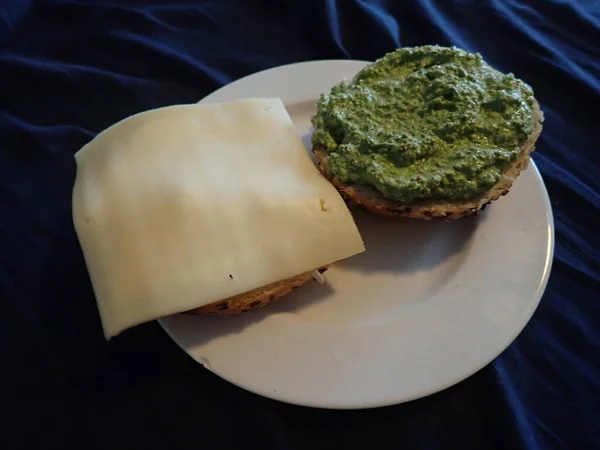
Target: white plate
pixel 427 305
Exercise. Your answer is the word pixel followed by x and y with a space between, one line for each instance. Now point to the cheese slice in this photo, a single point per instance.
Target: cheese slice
pixel 182 206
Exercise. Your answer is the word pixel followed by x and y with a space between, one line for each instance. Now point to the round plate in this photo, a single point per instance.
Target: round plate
pixel 427 305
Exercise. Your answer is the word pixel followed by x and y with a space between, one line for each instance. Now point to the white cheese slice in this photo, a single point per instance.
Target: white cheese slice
pixel 182 206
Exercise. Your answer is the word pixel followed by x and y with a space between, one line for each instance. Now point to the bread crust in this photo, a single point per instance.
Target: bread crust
pixel 374 202
pixel 256 298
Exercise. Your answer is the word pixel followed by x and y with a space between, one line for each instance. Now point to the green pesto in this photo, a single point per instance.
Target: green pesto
pixel 424 123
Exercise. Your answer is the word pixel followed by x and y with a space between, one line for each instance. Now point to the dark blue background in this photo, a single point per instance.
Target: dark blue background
pixel 68 69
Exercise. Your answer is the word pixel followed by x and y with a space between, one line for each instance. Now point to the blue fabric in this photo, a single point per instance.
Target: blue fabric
pixel 68 69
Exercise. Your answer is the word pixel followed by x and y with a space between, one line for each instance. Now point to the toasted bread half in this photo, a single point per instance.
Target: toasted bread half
pixel 373 201
pixel 256 298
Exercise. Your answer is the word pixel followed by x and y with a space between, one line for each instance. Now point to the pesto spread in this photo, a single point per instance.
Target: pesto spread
pixel 424 123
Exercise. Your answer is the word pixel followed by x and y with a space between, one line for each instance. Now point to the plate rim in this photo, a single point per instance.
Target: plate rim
pixel 539 293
